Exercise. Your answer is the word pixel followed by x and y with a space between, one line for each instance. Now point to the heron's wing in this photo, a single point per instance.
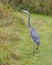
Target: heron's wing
pixel 34 34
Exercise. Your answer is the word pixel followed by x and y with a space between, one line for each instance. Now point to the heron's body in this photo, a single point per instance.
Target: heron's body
pixel 34 35
pixel 33 32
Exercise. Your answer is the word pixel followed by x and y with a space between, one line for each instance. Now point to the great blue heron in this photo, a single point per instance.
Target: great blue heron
pixel 33 32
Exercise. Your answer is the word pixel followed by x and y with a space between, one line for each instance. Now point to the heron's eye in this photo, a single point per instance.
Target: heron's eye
pixel 28 10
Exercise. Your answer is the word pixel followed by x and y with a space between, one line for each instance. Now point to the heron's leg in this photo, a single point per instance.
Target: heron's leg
pixel 33 48
pixel 37 48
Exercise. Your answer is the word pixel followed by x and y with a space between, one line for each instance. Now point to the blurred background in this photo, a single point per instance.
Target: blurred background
pixel 35 6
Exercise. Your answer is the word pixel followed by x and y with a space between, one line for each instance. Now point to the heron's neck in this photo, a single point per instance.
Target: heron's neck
pixel 29 20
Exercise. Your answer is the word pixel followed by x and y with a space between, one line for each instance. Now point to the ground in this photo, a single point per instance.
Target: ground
pixel 16 46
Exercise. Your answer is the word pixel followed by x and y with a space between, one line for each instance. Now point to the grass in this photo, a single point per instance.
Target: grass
pixel 16 46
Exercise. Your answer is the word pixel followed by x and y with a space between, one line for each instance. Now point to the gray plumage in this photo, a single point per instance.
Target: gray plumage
pixel 33 32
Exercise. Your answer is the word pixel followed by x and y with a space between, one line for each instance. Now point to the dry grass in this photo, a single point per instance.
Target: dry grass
pixel 16 46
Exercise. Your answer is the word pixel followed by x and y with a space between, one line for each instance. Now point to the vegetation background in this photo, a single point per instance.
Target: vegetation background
pixel 35 6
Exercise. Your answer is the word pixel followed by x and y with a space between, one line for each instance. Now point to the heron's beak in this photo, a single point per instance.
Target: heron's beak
pixel 24 11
